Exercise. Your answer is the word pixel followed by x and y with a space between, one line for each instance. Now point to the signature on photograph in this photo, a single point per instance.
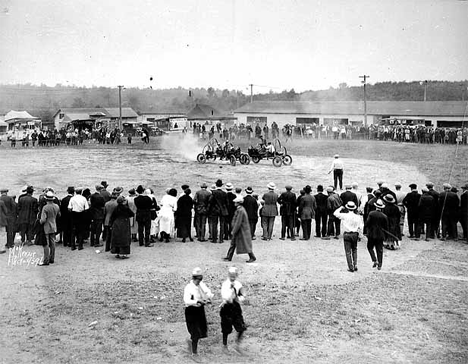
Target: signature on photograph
pixel 18 256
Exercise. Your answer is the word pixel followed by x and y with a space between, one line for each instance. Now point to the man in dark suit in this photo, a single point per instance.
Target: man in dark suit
pixel 435 212
pixel 97 203
pixel 231 209
pixel 11 208
pixel 464 211
pixel 321 213
pixel 144 204
pixel 269 211
pixel 27 215
pixel 377 226
pixel 348 195
pixel 201 211
pixel 449 203
pixel 251 207
pixel 411 202
pixel 287 202
pixel 218 211
pixel 66 217
pixel 426 211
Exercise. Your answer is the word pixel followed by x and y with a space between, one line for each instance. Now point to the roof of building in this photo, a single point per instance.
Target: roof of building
pixel 13 115
pixel 394 108
pixel 71 114
pixel 201 111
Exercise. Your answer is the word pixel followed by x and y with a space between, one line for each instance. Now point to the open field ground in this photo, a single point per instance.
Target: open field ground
pixel 303 307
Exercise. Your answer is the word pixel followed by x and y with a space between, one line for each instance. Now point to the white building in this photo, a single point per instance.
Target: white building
pixel 435 113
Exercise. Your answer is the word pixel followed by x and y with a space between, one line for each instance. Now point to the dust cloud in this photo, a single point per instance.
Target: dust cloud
pixel 185 145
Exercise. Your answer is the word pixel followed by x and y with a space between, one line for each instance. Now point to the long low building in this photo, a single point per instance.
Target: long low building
pixel 435 113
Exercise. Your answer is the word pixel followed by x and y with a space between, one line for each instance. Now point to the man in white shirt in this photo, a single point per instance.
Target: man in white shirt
pixel 337 167
pixel 196 296
pixel 233 295
pixel 352 224
pixel 77 206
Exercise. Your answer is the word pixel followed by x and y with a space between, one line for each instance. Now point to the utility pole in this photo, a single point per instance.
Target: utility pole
pixel 120 107
pixel 251 92
pixel 425 89
pixel 365 77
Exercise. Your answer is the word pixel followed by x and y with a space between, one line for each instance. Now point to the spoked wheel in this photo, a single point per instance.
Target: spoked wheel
pixel 255 159
pixel 232 160
pixel 287 160
pixel 201 158
pixel 244 159
pixel 277 161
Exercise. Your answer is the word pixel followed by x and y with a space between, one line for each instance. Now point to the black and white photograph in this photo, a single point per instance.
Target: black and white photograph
pixel 234 181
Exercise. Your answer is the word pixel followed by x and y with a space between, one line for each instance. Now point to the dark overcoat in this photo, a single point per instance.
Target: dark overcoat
pixel 121 235
pixel 241 235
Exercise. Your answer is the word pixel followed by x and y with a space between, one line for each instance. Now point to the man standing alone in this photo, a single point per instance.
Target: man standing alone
pixel 337 168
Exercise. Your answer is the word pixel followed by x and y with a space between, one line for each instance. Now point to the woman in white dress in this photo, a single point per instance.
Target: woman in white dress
pixel 166 215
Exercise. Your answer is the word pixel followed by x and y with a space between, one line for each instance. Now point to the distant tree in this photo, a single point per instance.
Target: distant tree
pixel 78 102
pixel 211 92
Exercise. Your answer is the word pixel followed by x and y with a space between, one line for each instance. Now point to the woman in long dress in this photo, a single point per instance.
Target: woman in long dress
pixel 166 215
pixel 120 222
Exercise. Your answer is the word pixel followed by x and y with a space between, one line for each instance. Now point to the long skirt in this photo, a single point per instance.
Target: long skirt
pixel 196 322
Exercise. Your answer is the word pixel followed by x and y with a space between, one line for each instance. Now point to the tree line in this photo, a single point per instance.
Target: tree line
pixel 43 101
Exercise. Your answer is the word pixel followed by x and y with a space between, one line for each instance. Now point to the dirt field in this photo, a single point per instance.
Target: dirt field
pixel 303 307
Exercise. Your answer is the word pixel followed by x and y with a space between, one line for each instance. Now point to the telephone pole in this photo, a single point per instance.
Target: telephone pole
pixel 365 77
pixel 120 107
pixel 251 92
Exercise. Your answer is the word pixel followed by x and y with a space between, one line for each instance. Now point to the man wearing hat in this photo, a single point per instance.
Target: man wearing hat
pixel 78 206
pixel 269 211
pixel 104 193
pixel 143 204
pixel 337 167
pixel 352 225
pixel 435 223
pixel 232 293
pixel 425 211
pixel 66 218
pixel 97 203
pixel 393 215
pixel 333 203
pixel 200 201
pixel 377 226
pixel 27 214
pixel 449 203
pixel 321 213
pixel 196 296
pixel 231 209
pixel 218 212
pixel 411 202
pixel 400 195
pixel 464 210
pixel 287 202
pixel 241 237
pixel 11 208
pixel 50 213
pixel 251 206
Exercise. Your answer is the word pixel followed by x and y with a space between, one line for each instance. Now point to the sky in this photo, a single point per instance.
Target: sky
pixel 229 44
